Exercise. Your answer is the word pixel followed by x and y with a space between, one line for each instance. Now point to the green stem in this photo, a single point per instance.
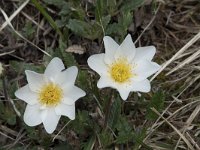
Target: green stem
pixel 47 17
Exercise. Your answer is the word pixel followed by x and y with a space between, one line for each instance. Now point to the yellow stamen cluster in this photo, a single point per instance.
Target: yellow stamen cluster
pixel 121 71
pixel 50 94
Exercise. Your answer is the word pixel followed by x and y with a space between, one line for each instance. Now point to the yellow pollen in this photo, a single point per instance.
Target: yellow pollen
pixel 50 94
pixel 121 71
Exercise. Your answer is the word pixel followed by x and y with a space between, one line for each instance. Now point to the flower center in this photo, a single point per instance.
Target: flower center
pixel 50 94
pixel 121 71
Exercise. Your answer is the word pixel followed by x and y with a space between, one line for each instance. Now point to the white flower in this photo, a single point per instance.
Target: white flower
pixel 50 95
pixel 124 67
pixel 1 68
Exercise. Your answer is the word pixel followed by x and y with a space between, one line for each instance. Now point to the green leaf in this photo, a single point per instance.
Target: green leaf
pixel 139 136
pixel 105 21
pixel 87 30
pixel 130 5
pixel 82 80
pixel 28 30
pixel 126 134
pixel 157 102
pixel 57 3
pixel 106 138
pixel 100 9
pixel 9 116
pixel 120 28
pixel 114 113
pixel 81 123
pixel 125 131
pixel 90 144
pixel 20 67
pixel 68 59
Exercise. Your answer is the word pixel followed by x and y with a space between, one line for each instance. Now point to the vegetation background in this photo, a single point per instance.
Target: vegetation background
pixel 166 118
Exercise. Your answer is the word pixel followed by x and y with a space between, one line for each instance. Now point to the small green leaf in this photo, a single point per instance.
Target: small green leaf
pixel 90 144
pixel 106 20
pixel 106 138
pixel 28 30
pixel 20 67
pixel 156 102
pixel 120 28
pixel 81 122
pixel 114 113
pixel 125 131
pixel 130 5
pixel 87 30
pixel 82 80
pixel 9 116
pixel 57 3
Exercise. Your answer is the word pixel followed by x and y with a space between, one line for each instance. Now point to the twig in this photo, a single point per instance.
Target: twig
pixel 61 130
pixel 175 129
pixel 154 17
pixel 21 36
pixel 14 15
pixel 185 47
pixel 188 122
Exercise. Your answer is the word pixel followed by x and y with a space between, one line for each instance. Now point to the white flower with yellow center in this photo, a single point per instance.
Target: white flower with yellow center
pixel 124 67
pixel 50 95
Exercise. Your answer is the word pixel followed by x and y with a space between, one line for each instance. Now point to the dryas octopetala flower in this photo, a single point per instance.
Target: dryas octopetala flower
pixel 50 95
pixel 124 67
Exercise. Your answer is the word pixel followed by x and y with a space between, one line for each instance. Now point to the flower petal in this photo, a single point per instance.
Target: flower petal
pixel 126 49
pixel 146 52
pixel 67 77
pixel 54 67
pixel 35 80
pixel 145 69
pixel 50 119
pixel 25 94
pixel 72 94
pixel 105 81
pixel 110 48
pixel 141 86
pixel 66 110
pixel 124 93
pixel 96 63
pixel 32 115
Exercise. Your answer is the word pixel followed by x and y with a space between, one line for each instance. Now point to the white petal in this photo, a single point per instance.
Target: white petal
pixel 96 63
pixel 124 93
pixel 35 80
pixel 66 110
pixel 67 77
pixel 32 115
pixel 105 81
pixel 126 49
pixel 145 69
pixel 141 86
pixel 72 94
pixel 110 48
pixel 25 94
pixel 54 67
pixel 50 120
pixel 144 53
